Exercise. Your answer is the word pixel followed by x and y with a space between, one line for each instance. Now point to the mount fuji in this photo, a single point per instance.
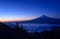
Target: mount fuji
pixel 43 19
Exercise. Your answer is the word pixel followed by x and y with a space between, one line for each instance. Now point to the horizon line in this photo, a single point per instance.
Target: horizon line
pixel 23 19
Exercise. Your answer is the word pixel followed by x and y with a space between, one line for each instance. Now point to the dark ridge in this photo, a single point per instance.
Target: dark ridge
pixel 4 27
pixel 10 33
pixel 53 34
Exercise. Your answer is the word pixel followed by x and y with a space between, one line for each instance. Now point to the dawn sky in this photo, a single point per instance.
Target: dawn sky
pixel 27 9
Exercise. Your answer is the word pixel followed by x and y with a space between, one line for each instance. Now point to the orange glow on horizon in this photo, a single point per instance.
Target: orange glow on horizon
pixel 8 20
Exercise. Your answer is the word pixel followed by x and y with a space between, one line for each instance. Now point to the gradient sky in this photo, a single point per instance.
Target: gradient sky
pixel 28 9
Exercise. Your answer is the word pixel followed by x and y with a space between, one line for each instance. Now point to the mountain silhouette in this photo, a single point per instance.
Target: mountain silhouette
pixel 44 19
pixel 43 16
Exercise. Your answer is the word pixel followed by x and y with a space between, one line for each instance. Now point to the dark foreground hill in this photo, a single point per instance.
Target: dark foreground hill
pixel 53 34
pixel 10 33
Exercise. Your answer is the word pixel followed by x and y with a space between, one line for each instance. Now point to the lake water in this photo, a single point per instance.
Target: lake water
pixel 38 27
pixel 32 27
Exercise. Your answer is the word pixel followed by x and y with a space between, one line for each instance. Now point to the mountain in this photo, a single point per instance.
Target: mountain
pixel 43 19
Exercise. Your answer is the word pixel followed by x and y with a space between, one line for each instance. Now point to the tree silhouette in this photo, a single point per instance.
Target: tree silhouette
pixel 53 34
pixel 36 35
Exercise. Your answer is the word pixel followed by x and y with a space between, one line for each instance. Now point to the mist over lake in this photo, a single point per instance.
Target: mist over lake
pixel 32 27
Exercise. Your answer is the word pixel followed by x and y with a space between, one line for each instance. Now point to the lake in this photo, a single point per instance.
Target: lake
pixel 32 27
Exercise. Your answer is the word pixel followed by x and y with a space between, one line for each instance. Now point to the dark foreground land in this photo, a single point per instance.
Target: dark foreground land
pixel 17 33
